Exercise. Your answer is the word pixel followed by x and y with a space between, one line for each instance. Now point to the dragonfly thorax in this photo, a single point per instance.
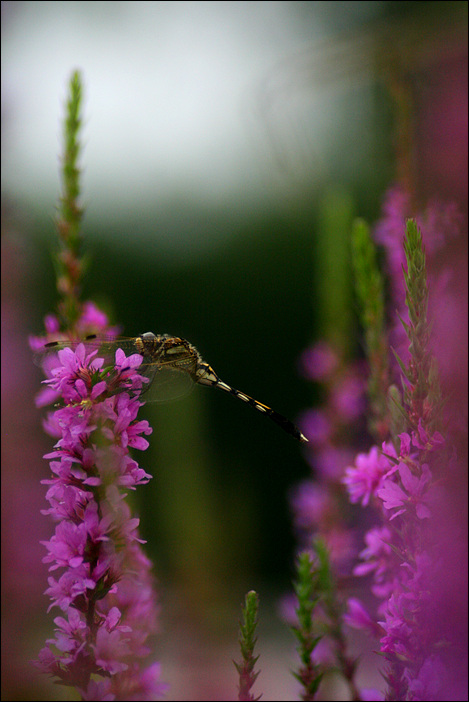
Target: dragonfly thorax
pixel 170 352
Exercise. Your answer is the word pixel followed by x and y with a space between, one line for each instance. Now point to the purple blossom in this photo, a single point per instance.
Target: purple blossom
pixel 392 496
pixel 312 505
pixel 405 444
pixel 408 556
pixel 330 462
pixel 69 587
pixel 93 320
pixel 316 512
pixel 363 479
pixel 358 617
pixel 413 554
pixel 422 440
pixel 316 426
pixel 412 494
pixel 105 588
pixel 348 398
pixel 376 555
pixel 70 635
pixel 318 362
pixel 340 542
pixel 111 647
pixel 397 632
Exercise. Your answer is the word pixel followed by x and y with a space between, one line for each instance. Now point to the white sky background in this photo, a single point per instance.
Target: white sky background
pixel 172 93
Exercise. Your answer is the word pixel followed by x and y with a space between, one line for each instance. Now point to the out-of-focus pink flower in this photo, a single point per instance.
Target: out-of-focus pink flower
pixel 358 617
pixel 318 362
pixel 316 426
pixel 363 479
pixel 348 398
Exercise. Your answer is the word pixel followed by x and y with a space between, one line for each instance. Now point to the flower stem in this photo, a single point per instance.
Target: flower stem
pixel 422 395
pixel 247 641
pixel 69 263
pixel 306 588
pixel 369 288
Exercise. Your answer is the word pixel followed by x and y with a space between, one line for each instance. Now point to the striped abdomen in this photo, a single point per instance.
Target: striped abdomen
pixel 205 375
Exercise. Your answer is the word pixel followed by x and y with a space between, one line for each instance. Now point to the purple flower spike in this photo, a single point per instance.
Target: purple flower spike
pixel 103 582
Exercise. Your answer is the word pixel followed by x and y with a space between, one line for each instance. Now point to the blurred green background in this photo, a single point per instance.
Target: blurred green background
pixel 227 147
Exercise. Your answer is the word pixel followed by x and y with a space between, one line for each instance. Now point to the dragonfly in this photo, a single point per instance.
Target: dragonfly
pixel 171 365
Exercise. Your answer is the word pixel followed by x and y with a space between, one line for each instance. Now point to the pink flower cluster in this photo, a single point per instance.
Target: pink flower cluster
pixel 413 552
pixel 410 554
pixel 403 558
pixel 104 587
pixel 318 504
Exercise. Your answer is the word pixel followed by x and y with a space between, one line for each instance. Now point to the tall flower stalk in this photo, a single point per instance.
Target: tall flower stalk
pixel 369 285
pixel 307 592
pixel 403 482
pixel 247 642
pixel 319 624
pixel 412 551
pixel 100 578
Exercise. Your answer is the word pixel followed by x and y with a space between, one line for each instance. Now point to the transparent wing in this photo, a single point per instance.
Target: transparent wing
pixel 165 384
pixel 106 346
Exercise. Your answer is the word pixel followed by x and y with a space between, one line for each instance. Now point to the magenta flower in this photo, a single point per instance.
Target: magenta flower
pixel 312 505
pixel 358 617
pixel 412 555
pixel 364 478
pixel 409 555
pixel 412 493
pixel 422 440
pixel 105 587
pixel 348 398
pixel 316 426
pixel 331 462
pixel 375 556
pixel 318 362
